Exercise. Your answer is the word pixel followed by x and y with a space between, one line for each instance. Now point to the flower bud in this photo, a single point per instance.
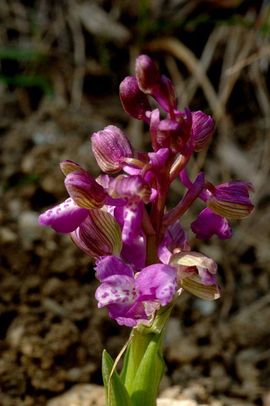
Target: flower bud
pixel 151 82
pixel 98 235
pixel 84 190
pixel 197 274
pixel 110 146
pixel 147 74
pixel 134 101
pixel 202 128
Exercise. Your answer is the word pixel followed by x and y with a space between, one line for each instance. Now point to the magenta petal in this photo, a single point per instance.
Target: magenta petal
pixel 151 82
pixel 65 217
pixel 208 224
pixel 159 158
pixel 236 191
pixel 128 315
pixel 207 278
pixel 231 199
pixel 84 190
pixel 132 222
pixel 133 188
pixel 147 73
pixel 202 129
pixel 111 265
pixel 154 124
pixel 116 289
pixel 156 282
pixel 165 94
pixel 130 218
pixel 175 237
pixel 135 252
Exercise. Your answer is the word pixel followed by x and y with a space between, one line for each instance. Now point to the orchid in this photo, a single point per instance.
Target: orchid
pixel 122 220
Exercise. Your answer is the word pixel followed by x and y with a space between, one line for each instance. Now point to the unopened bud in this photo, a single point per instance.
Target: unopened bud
pixel 147 74
pixel 151 82
pixel 134 101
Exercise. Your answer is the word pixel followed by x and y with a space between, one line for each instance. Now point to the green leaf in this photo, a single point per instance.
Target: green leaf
pixel 125 368
pixel 116 393
pixel 148 376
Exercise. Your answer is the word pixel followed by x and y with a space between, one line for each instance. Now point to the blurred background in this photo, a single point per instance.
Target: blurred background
pixel 60 67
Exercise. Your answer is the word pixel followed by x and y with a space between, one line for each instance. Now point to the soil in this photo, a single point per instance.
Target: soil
pixel 52 334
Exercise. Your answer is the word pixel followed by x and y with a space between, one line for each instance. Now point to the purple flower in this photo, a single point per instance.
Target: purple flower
pixel 202 129
pixel 172 132
pixel 84 190
pixel 208 224
pixel 133 188
pixel 65 217
pixel 130 297
pixel 122 221
pixel 230 200
pixel 98 234
pixel 110 147
pixel 197 274
pixel 225 201
pixel 85 193
pixel 136 191
pixel 147 74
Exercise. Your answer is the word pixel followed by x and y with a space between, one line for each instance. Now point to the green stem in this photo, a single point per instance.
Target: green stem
pixel 135 353
pixel 144 366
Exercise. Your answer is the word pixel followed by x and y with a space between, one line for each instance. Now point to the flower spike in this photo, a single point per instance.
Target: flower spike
pixel 142 253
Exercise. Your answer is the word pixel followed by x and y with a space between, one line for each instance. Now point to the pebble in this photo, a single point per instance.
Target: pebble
pixel 7 235
pixel 80 395
pixel 29 228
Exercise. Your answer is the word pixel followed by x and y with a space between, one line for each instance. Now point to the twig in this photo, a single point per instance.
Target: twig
pixel 229 83
pixel 217 35
pixel 79 59
pixel 264 51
